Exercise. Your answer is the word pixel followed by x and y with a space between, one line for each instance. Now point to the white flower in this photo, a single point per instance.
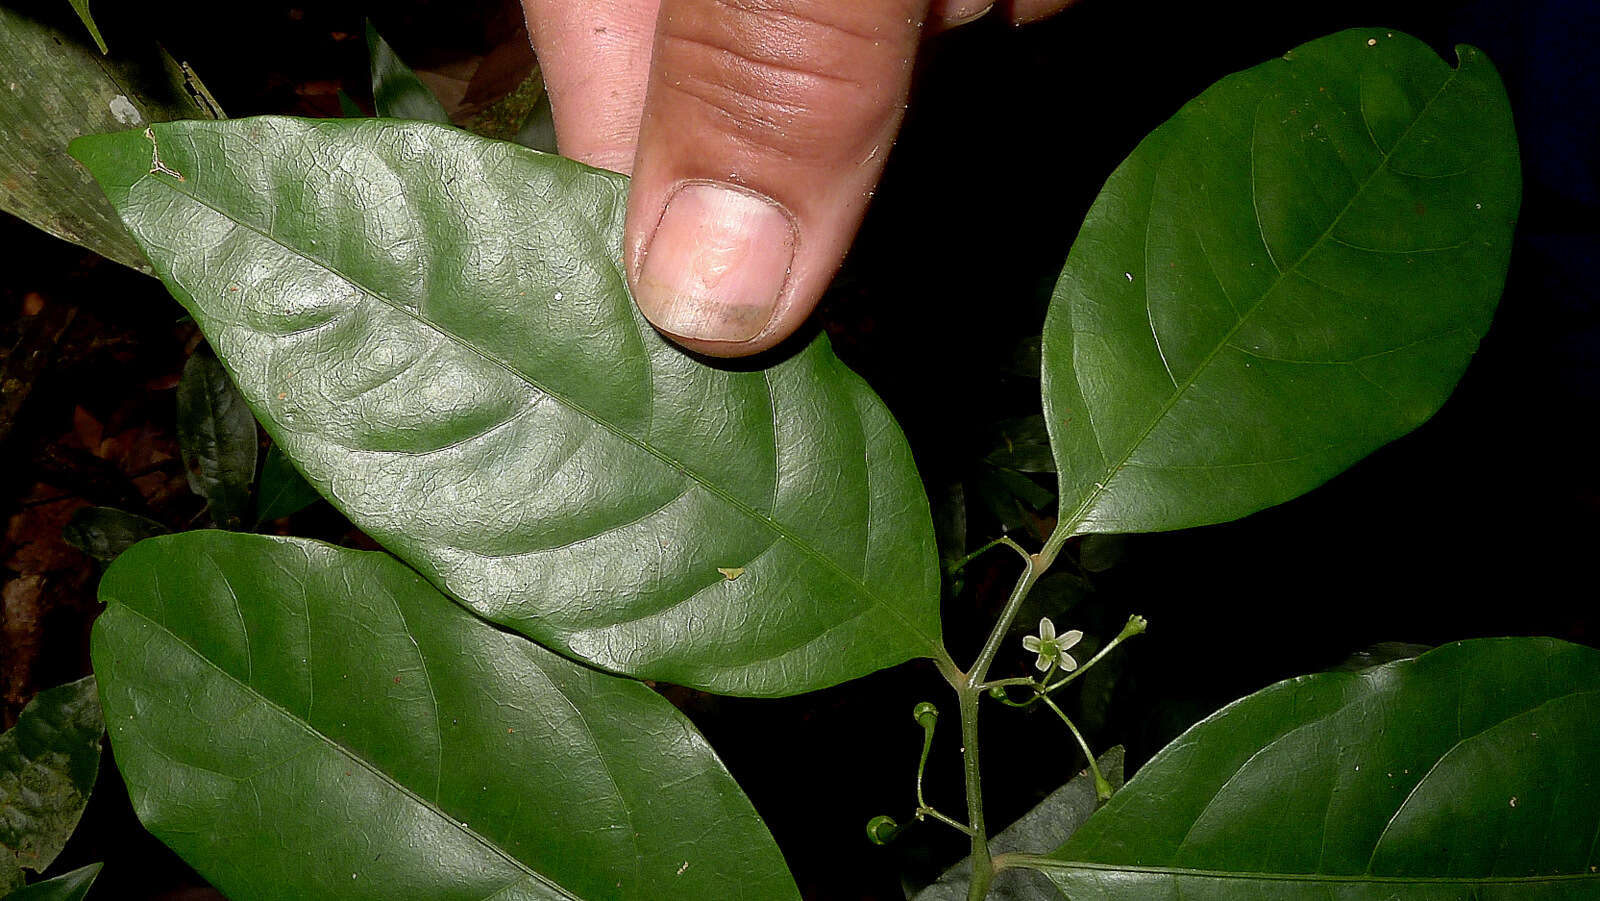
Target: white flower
pixel 1050 648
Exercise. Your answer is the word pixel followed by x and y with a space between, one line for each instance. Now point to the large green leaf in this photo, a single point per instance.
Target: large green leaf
pixel 66 887
pixel 217 436
pixel 48 764
pixel 1472 771
pixel 55 86
pixel 436 328
pixel 300 721
pixel 1290 272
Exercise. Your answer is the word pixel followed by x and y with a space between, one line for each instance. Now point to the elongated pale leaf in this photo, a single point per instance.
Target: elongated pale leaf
pixel 81 7
pixel 55 86
pixel 397 92
pixel 217 436
pixel 283 490
pixel 1292 271
pixel 435 327
pixel 66 887
pixel 1472 771
pixel 1051 822
pixel 48 764
pixel 300 721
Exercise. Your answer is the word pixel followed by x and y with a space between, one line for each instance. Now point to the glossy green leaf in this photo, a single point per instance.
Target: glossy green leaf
pixel 81 7
pixel 284 491
pixel 300 721
pixel 397 92
pixel 1292 271
pixel 217 437
pixel 105 532
pixel 48 764
pixel 66 887
pixel 1472 771
pixel 436 328
pixel 55 86
pixel 1050 822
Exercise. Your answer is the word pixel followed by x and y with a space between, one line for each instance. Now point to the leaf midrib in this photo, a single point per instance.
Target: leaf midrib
pixel 350 755
pixel 935 647
pixel 1069 526
pixel 1047 865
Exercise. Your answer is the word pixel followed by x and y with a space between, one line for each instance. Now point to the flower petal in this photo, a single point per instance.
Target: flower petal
pixel 1068 663
pixel 1041 664
pixel 1047 629
pixel 1031 643
pixel 1069 639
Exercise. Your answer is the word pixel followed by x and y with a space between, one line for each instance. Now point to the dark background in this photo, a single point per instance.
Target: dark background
pixel 1482 522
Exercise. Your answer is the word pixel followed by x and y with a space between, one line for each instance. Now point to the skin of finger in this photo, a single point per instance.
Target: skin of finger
pixel 594 56
pixel 797 100
pixel 1022 12
pixel 944 15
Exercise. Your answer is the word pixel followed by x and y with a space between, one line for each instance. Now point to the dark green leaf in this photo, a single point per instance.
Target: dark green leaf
pixel 1472 771
pixel 1039 830
pixel 1022 444
pixel 105 532
pixel 284 491
pixel 217 436
pixel 1099 552
pixel 48 763
pixel 81 7
pixel 300 721
pixel 66 887
pixel 55 86
pixel 397 92
pixel 348 107
pixel 1381 653
pixel 1292 271
pixel 538 132
pixel 436 329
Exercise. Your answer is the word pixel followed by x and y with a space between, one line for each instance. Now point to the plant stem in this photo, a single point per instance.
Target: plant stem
pixel 980 668
pixel 1102 788
pixel 952 822
pixel 982 866
pixel 1003 539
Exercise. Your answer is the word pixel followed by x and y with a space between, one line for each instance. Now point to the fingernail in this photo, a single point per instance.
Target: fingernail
pixel 716 264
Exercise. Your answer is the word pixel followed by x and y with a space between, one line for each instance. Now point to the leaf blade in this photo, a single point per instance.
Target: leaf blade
pixel 625 473
pixel 57 89
pixel 1382 774
pixel 66 887
pixel 1245 316
pixel 217 437
pixel 284 491
pixel 397 92
pixel 48 764
pixel 274 674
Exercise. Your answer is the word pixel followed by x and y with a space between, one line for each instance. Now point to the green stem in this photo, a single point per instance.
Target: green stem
pixel 982 866
pixel 980 668
pixel 947 820
pixel 1102 788
pixel 1003 539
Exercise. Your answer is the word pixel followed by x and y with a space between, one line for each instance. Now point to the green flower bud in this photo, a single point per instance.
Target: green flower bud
pixel 881 830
